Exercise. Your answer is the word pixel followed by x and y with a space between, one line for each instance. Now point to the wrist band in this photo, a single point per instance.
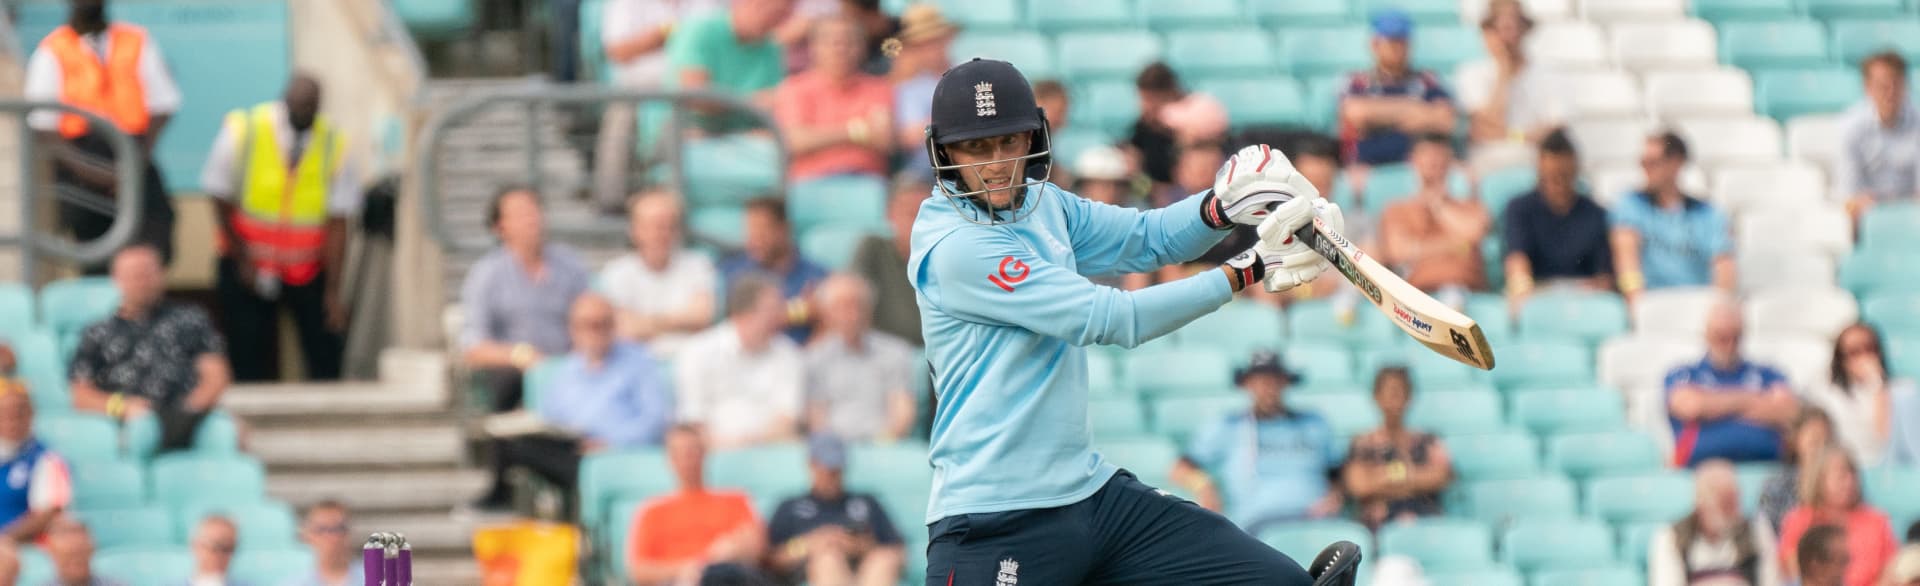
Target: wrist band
pixel 1213 214
pixel 521 356
pixel 116 405
pixel 797 312
pixel 1632 282
pixel 857 130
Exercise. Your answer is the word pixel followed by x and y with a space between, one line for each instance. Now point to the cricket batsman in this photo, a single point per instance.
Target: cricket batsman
pixel 999 262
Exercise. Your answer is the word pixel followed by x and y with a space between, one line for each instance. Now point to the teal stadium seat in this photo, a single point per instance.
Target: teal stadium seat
pixel 1498 455
pixel 1322 366
pixel 1178 418
pixel 717 224
pixel 16 310
pixel 38 357
pixel 35 566
pixel 129 526
pixel 1890 226
pixel 1066 15
pixel 1636 537
pixel 1301 14
pixel 1871 271
pixel 179 479
pixel 1259 101
pixel 1103 374
pixel 1304 539
pixel 1588 317
pixel 832 246
pixel 1115 54
pixel 1752 477
pixel 593 54
pixel 106 484
pixel 1455 412
pixel 1440 543
pixel 1855 39
pixel 1790 94
pixel 1491 310
pixel 1897 313
pixel 1387 184
pixel 1723 11
pixel 1610 575
pixel 80 437
pixel 1589 454
pixel 1349 414
pixel 1109 106
pixel 1328 50
pixel 1499 575
pixel 70 305
pixel 1892 490
pixel 1539 364
pixel 264 525
pixel 534 387
pixel 886 468
pixel 1116 417
pixel 274 566
pixel 1237 329
pixel 1503 185
pixel 1433 372
pixel 984 15
pixel 617 534
pixel 1317 320
pixel 852 201
pixel 1534 498
pixel 1831 9
pixel 1168 14
pixel 1659 496
pixel 1026 50
pixel 1422 11
pixel 729 170
pixel 1774 44
pixel 1537 544
pixel 1201 372
pixel 218 436
pixel 1903 355
pixel 1069 143
pixel 144 566
pixel 1442 48
pixel 435 19
pixel 1150 459
pixel 773 470
pixel 1204 52
pixel 1551 411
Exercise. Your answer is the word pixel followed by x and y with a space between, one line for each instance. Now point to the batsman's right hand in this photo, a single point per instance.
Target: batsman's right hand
pixel 1290 262
pixel 1255 180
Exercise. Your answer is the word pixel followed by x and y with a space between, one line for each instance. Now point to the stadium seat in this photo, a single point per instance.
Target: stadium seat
pixel 1434 372
pixel 1325 50
pixel 1423 12
pixel 1536 363
pixel 1323 107
pixel 1117 54
pixel 1804 359
pixel 436 19
pixel 144 566
pixel 1533 498
pixel 1891 489
pixel 1653 496
pixel 1757 187
pixel 1589 317
pixel 534 386
pixel 1587 454
pixel 266 525
pixel 832 246
pixel 1721 11
pixel 1026 50
pixel 1819 227
pixel 35 566
pixel 1213 51
pixel 1864 9
pixel 1109 106
pixel 1455 412
pixel 69 305
pixel 616 533
pixel 889 468
pixel 1068 144
pixel 1903 355
pixel 1609 575
pixel 851 201
pixel 1599 93
pixel 1853 40
pixel 761 470
pixel 1319 321
pixel 1643 360
pixel 178 479
pixel 1304 539
pixel 1442 48
pixel 1237 328
pixel 1103 374
pixel 1163 15
pixel 1494 456
pixel 1699 92
pixel 1301 14
pixel 16 310
pixel 1349 414
pixel 1266 101
pixel 130 525
pixel 1439 543
pixel 1815 138
pixel 1608 141
pixel 1321 365
pixel 717 224
pixel 1870 272
pixel 1785 94
pixel 106 483
pixel 1891 226
pixel 1148 458
pixel 1501 186
pixel 1388 183
pixel 1499 575
pixel 729 170
pixel 1201 373
pixel 1635 538
pixel 1116 417
pixel 1552 411
pixel 1535 544
pixel 1772 267
pixel 984 15
pixel 1567 45
pixel 1061 15
pixel 1774 44
pixel 1752 477
pixel 1898 313
pixel 1634 10
pixel 1677 43
pixel 1721 141
pixel 79 437
pixel 1804 311
pixel 271 566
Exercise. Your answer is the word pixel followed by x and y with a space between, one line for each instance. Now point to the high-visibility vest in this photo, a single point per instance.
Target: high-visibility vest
pixel 109 87
pixel 281 210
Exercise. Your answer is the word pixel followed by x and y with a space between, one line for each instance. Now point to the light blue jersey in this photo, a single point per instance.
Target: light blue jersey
pixel 1006 310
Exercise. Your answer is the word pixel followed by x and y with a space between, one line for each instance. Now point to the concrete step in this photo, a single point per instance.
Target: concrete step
pixel 428 533
pixel 446 570
pixel 391 445
pixel 368 491
pixel 350 399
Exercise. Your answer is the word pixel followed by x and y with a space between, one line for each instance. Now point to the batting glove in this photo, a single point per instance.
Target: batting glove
pixel 1251 183
pixel 1290 263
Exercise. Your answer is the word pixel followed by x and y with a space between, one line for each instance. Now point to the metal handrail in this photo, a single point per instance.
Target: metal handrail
pixel 129 167
pixel 434 135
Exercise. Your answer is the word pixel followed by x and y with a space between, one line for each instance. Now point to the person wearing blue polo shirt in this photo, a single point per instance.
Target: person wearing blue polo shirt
pixel 1273 464
pixel 1663 238
pixel 1727 406
pixel 1381 109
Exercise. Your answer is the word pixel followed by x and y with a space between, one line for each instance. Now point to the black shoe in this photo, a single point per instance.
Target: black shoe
pixel 1337 565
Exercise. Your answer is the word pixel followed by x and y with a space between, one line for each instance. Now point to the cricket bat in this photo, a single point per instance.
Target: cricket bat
pixel 1432 323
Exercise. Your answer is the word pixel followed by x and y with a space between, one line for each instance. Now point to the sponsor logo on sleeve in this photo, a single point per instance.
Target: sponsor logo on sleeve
pixel 1011 273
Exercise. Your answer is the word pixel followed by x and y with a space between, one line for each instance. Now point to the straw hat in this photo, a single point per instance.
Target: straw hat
pixel 924 22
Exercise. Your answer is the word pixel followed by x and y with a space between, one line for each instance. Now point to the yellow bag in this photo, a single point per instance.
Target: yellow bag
pixel 527 553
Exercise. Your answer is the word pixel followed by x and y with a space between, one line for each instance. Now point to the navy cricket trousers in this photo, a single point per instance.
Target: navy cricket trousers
pixel 1126 533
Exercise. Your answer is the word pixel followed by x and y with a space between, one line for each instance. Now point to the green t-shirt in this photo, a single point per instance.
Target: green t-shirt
pixel 733 68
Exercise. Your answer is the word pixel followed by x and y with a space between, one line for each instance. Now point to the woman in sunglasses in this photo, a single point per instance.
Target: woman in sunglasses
pixel 1877 416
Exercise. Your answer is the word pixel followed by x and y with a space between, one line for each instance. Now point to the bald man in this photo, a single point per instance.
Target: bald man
pixel 151 356
pixel 70 545
pixel 1726 406
pixel 1716 541
pixel 214 541
pixel 859 380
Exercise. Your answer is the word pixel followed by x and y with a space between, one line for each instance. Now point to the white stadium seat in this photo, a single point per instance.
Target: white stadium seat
pixel 1669 44
pixel 1566 45
pixel 1678 312
pixel 1600 93
pixel 1775 265
pixel 1818 229
pixel 1803 359
pixel 1745 188
pixel 1636 10
pixel 1804 311
pixel 1609 141
pixel 1715 142
pixel 1641 360
pixel 1539 10
pixel 1694 92
pixel 1615 181
pixel 1816 138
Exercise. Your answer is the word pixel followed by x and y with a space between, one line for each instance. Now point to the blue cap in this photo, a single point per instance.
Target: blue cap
pixel 1392 23
pixel 827 450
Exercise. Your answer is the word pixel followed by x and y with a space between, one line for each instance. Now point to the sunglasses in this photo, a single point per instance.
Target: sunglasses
pixel 222 548
pixel 1857 350
pixel 339 529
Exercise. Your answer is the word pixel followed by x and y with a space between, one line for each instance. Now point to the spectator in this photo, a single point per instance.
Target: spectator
pixel 1394 472
pixel 925 37
pixel 70 547
pixel 1878 415
pixel 1053 99
pixel 1664 238
pixel 741 379
pixel 1273 464
pixel 1555 235
pixel 831 535
pixel 606 394
pixel 7 364
pixel 882 261
pixel 834 118
pixel 664 291
pixel 1906 567
pixel 731 52
pixel 129 86
pixel 9 563
pixel 1877 160
pixel 1823 552
pixel 1811 434
pixel 769 250
pixel 859 381
pixel 1382 109
pixel 876 25
pixel 1714 544
pixel 1434 236
pixel 634 35
pixel 40 485
pixel 1726 406
pixel 1151 140
pixel 676 538
pixel 213 543
pixel 1194 168
pixel 1195 119
pixel 336 557
pixel 151 356
pixel 516 297
pixel 1101 174
pixel 1831 496
pixel 285 246
pixel 1508 97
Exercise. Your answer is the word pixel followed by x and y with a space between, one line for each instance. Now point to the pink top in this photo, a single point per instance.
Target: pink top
pixel 808 99
pixel 1870 541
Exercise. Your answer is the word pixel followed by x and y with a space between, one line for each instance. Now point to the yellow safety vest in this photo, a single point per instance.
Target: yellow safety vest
pixel 282 210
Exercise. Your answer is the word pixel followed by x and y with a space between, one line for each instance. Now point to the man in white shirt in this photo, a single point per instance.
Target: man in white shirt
pixel 858 379
pixel 1880 139
pixel 741 379
pixel 663 291
pixel 634 35
pixel 213 544
pixel 1715 544
pixel 1510 99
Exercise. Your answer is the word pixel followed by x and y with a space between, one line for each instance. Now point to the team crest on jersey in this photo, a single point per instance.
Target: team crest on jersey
pixel 983 104
pixel 1009 573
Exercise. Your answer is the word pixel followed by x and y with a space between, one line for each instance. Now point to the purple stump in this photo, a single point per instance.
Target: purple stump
pixel 405 576
pixel 372 562
pixel 391 560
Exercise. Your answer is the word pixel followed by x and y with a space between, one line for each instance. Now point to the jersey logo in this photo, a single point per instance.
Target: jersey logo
pixel 1012 272
pixel 1009 573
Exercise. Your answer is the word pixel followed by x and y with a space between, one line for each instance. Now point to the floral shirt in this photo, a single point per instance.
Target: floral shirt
pixel 152 358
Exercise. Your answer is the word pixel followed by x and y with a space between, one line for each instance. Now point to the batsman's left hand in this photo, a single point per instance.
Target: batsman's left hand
pixel 1255 180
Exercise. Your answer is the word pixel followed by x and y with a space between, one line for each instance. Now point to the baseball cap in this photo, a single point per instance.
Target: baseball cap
pixel 827 450
pixel 1101 162
pixel 1265 362
pixel 1392 23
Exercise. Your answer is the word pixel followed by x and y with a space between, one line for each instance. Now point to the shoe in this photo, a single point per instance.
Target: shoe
pixel 1337 565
